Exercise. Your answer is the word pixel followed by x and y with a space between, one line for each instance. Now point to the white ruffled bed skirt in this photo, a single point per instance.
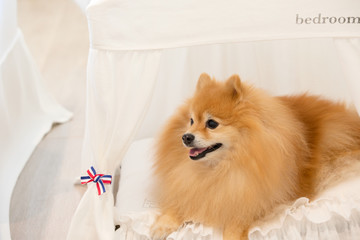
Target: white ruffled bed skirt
pixel 328 219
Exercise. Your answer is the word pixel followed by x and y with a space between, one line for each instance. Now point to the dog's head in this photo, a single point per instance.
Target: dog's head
pixel 215 123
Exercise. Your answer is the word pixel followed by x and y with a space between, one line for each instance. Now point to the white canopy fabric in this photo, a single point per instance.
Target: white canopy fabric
pixel 159 24
pixel 27 110
pixel 145 58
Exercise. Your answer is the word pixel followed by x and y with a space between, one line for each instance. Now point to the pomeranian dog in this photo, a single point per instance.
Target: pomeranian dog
pixel 232 153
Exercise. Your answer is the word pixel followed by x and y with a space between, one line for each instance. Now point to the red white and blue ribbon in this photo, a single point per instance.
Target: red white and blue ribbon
pixel 99 179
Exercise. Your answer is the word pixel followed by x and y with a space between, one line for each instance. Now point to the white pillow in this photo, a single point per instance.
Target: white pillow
pixel 335 215
pixel 136 181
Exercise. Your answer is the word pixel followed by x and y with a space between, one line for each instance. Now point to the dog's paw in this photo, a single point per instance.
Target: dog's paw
pixel 161 232
pixel 235 234
pixel 163 227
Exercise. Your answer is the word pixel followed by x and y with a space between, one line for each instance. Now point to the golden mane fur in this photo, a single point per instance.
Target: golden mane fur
pixel 274 151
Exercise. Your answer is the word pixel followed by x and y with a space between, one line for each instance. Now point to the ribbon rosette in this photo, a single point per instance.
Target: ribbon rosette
pixel 99 179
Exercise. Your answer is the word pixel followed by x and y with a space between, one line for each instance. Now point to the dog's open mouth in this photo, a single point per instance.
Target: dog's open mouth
pixel 198 153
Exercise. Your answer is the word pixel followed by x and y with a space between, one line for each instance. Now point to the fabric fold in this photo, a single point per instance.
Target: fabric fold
pixel 27 112
pixel 117 82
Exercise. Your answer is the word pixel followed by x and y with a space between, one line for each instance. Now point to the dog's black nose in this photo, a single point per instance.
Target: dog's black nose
pixel 188 138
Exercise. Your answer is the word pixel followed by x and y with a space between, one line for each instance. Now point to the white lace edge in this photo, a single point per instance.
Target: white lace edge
pixel 136 225
pixel 317 212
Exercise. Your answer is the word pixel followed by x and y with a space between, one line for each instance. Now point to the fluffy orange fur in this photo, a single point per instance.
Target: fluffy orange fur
pixel 273 149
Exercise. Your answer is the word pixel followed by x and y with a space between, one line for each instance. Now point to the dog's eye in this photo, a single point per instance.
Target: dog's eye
pixel 212 124
pixel 191 121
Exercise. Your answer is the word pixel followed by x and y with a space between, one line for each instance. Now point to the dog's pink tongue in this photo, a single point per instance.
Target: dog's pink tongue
pixel 196 151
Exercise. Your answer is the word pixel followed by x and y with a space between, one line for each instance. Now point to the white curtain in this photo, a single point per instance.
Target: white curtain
pixel 349 52
pixel 145 57
pixel 27 111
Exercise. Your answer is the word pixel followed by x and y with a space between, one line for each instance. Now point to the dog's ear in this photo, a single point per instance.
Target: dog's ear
pixel 204 80
pixel 234 85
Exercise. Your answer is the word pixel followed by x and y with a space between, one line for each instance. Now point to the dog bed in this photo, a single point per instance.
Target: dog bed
pixel 144 59
pixel 333 215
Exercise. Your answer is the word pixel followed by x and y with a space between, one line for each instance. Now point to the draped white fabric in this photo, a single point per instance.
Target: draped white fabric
pixel 145 58
pixel 110 125
pixel 349 52
pixel 27 111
